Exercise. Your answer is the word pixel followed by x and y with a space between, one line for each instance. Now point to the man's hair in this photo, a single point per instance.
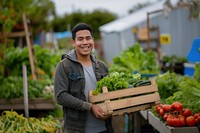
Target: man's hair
pixel 80 26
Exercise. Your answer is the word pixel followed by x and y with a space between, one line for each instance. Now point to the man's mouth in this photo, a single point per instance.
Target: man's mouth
pixel 85 47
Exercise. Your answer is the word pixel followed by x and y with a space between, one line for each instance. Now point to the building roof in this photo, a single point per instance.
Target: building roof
pixel 134 18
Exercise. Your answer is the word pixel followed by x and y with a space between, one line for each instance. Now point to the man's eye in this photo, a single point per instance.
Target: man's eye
pixel 88 38
pixel 80 39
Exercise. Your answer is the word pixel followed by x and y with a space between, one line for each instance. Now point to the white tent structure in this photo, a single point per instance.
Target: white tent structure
pixel 118 35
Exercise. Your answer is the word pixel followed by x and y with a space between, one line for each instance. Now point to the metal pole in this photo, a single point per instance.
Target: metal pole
pixel 25 87
pixel 148 33
pixel 148 26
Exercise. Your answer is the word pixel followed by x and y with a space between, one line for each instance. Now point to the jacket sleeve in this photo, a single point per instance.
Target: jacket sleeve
pixel 63 98
pixel 104 67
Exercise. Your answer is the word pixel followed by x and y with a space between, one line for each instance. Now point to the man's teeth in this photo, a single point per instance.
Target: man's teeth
pixel 86 47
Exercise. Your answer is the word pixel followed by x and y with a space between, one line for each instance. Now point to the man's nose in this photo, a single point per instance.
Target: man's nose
pixel 85 40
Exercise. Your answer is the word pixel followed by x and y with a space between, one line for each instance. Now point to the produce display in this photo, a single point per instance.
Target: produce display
pixel 173 87
pixel 173 63
pixel 11 81
pixel 46 61
pixel 12 87
pixel 12 122
pixel 173 59
pixel 180 105
pixel 176 115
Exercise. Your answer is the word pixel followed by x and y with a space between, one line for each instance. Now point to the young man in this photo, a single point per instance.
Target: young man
pixel 75 76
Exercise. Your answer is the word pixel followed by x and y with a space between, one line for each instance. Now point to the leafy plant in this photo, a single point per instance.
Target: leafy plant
pixel 11 121
pixel 45 65
pixel 197 72
pixel 116 81
pixel 168 84
pixel 135 59
pixel 173 87
pixel 11 83
pixel 12 87
pixel 188 95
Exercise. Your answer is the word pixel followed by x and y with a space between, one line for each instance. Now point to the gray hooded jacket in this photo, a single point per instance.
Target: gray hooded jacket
pixel 69 84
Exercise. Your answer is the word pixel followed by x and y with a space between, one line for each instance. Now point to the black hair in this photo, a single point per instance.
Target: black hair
pixel 80 26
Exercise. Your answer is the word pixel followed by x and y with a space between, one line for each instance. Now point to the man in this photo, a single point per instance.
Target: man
pixel 75 76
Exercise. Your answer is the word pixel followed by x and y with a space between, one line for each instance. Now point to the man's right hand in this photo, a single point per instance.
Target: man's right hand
pixel 99 113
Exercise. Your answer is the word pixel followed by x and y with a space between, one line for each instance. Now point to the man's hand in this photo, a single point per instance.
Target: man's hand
pixel 99 113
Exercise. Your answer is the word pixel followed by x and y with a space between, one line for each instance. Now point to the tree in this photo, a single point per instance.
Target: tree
pixel 193 6
pixel 38 12
pixel 138 6
pixel 95 19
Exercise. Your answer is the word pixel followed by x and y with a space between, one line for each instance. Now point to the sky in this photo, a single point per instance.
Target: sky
pixel 118 7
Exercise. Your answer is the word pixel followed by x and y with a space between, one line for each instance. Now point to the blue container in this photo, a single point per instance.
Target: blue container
pixel 149 75
pixel 194 53
pixel 146 75
pixel 189 69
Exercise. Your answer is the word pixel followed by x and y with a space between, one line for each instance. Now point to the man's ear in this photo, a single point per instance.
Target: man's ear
pixel 73 42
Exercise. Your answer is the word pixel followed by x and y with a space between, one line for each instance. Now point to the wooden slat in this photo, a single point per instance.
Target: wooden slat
pixel 34 104
pixel 43 106
pixel 38 106
pixel 132 109
pixel 123 93
pixel 109 110
pixel 20 100
pixel 31 56
pixel 128 102
pixel 14 34
pixel 40 100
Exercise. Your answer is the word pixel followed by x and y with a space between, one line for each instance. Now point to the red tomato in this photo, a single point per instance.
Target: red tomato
pixel 187 112
pixel 182 119
pixel 190 121
pixel 196 120
pixel 176 122
pixel 158 107
pixel 161 112
pixel 167 107
pixel 196 115
pixel 177 106
pixel 169 121
pixel 167 116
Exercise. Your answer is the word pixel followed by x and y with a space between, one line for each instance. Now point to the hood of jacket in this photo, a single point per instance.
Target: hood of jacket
pixel 72 56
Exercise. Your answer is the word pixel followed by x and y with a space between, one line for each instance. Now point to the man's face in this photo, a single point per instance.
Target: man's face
pixel 83 42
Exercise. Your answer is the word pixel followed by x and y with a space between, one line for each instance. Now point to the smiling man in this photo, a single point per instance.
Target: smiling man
pixel 75 76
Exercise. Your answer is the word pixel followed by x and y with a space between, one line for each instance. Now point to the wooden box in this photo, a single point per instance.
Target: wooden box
pixel 126 100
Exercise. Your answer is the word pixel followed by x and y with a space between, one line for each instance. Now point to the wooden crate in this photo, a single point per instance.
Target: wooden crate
pixel 126 100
